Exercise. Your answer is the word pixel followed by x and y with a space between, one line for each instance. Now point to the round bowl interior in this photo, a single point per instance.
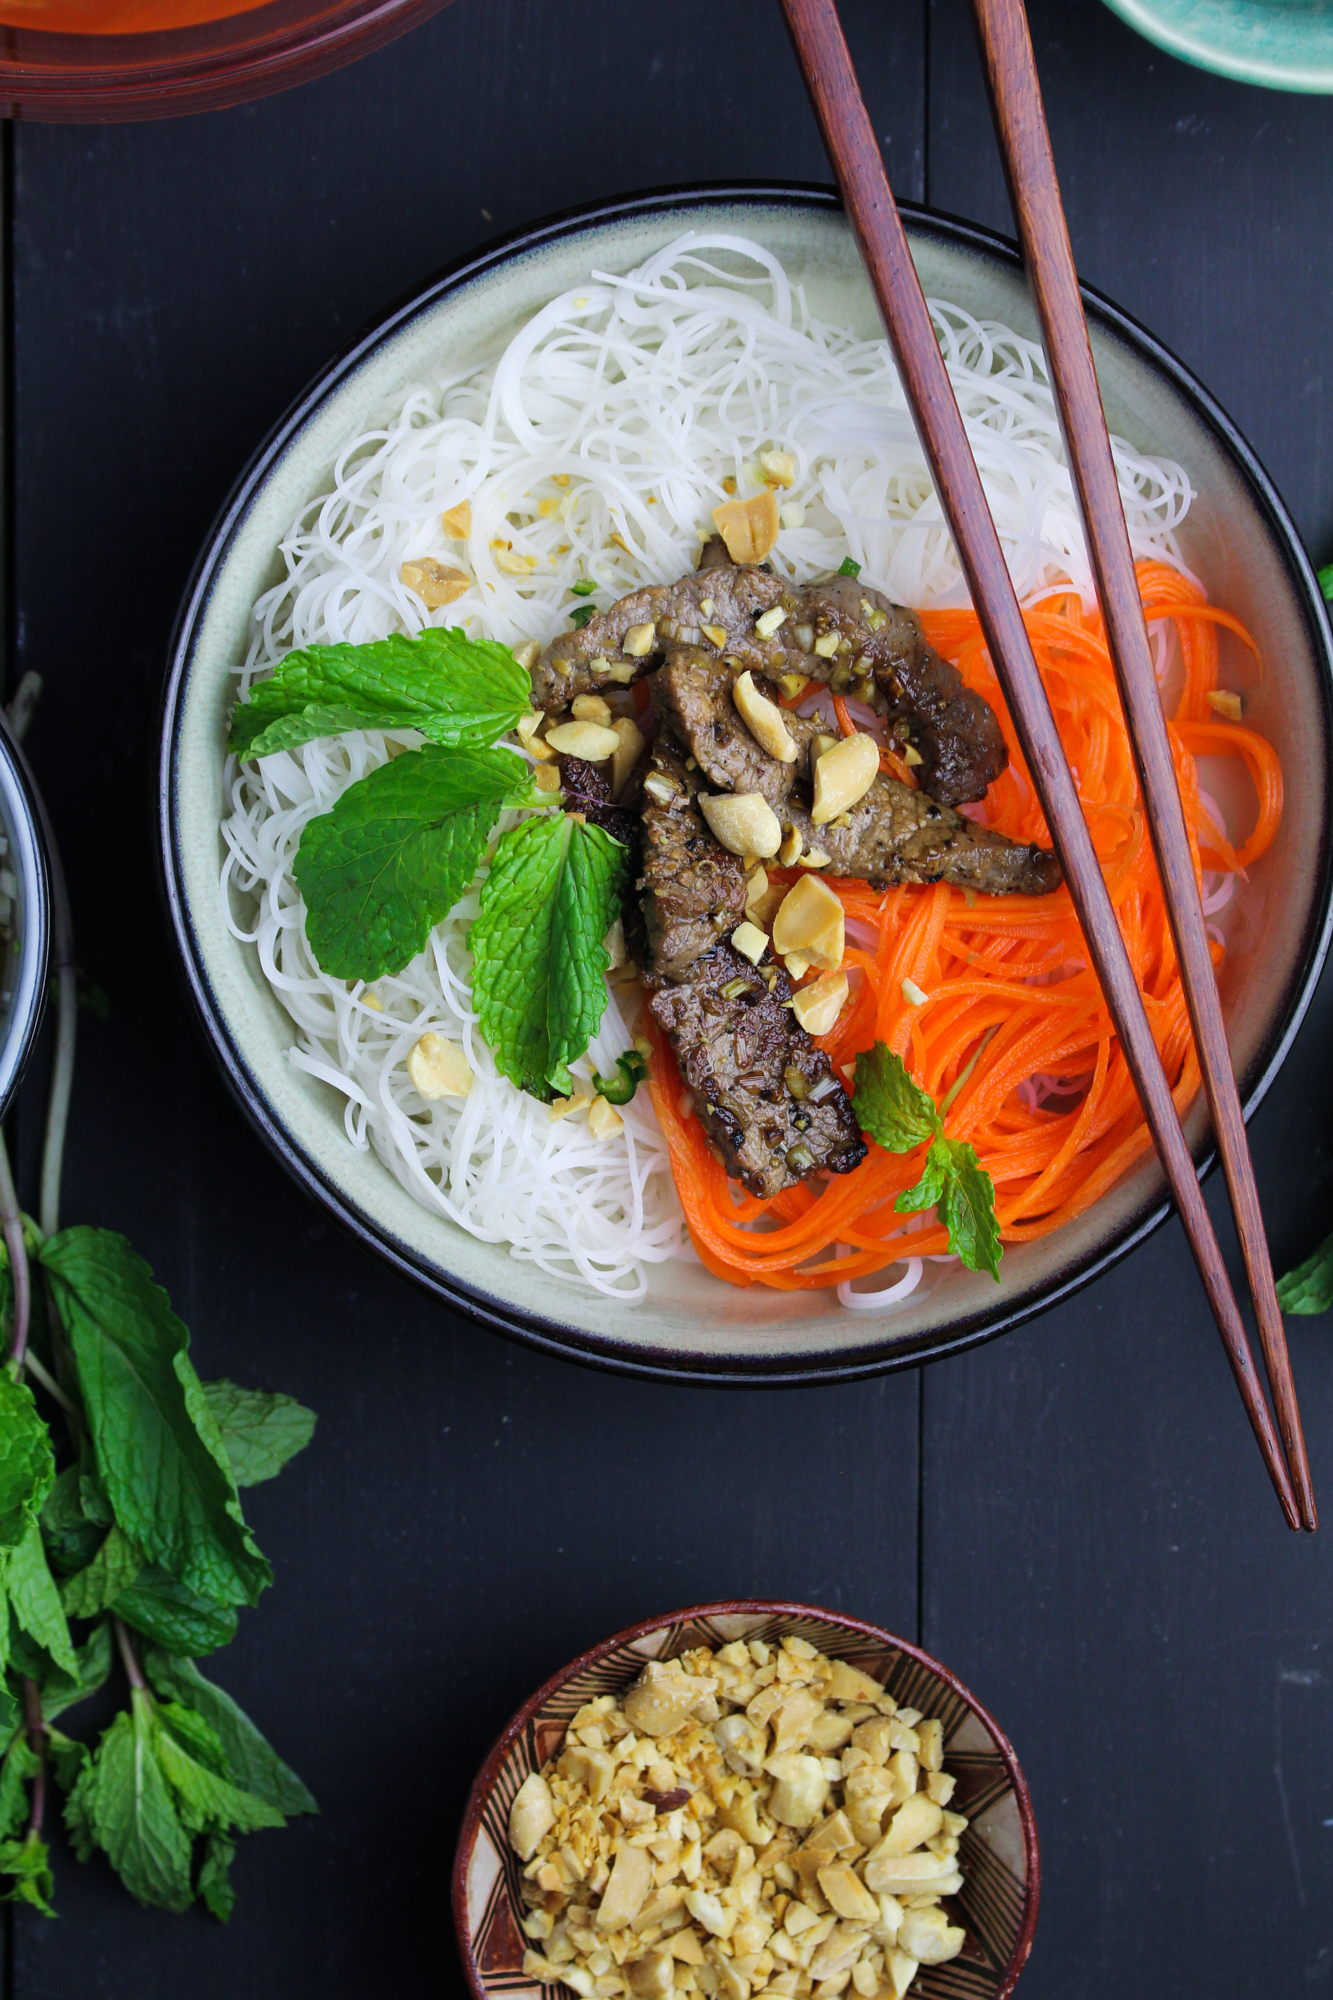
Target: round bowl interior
pixel 998 1853
pixel 111 59
pixel 1237 539
pixel 1287 44
pixel 24 881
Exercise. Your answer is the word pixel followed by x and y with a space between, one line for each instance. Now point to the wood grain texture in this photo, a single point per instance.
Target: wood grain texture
pixel 1034 195
pixel 1161 1651
pixel 848 135
pixel 176 285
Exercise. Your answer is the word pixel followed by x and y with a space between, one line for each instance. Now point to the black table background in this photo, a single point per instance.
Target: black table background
pixel 1075 1517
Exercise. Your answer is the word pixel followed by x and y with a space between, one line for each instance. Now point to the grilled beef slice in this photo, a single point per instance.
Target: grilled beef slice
pixel 728 598
pixel 692 890
pixel 734 1047
pixel 894 834
pixel 883 656
pixel 954 731
pixel 740 1048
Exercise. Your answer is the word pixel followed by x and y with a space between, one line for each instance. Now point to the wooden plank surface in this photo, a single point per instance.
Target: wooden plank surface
pixel 1099 1553
pixel 1100 1557
pixel 469 1516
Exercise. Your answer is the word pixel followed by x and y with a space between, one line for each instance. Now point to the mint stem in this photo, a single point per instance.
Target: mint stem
pixel 133 1671
pixel 36 1725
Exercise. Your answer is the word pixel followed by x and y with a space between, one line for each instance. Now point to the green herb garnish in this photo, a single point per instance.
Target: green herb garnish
pixel 553 893
pixel 1309 1288
pixel 849 568
pixel 584 587
pixel 900 1116
pixel 455 690
pixel 397 851
pixel 141 1537
pixel 581 614
pixel 624 1080
pixel 1326 580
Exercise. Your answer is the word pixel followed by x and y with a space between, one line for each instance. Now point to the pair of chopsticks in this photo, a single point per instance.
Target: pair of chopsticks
pixel 1035 194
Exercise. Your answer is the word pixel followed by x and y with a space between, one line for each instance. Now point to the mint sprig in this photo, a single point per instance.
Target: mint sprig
pixel 140 1539
pixel 397 851
pixel 553 892
pixel 457 691
pixel 900 1116
pixel 1309 1288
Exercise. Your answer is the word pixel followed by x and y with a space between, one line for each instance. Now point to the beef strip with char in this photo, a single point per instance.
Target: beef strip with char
pixel 885 654
pixel 897 835
pixel 883 657
pixel 740 1049
pixel 728 598
pixel 894 834
pixel 693 891
pixel 738 1044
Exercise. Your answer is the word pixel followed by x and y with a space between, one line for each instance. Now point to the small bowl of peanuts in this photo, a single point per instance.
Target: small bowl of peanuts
pixel 744 1799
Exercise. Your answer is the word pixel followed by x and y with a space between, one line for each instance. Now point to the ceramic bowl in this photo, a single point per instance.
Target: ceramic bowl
pixel 23 966
pixel 1237 538
pixel 1287 44
pixel 82 60
pixel 998 1853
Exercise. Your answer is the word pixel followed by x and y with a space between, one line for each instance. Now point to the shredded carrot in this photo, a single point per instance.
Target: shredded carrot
pixel 1050 1105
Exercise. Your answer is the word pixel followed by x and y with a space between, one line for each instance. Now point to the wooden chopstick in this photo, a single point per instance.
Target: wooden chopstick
pixel 854 152
pixel 1020 122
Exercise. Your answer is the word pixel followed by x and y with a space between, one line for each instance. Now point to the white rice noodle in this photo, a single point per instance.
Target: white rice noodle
pixel 619 411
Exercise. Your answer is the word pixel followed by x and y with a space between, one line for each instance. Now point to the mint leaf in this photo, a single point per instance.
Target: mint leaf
pixel 158 1448
pixel 397 851
pixel 27 1467
pixel 113 1568
pixel 553 892
pixel 66 1758
pixel 208 1802
pixel 29 1869
pixel 123 1804
pixel 215 1877
pixel 456 691
pixel 1326 585
pixel 71 1537
pixel 34 1600
pixel 899 1116
pixel 934 1177
pixel 1309 1288
pixel 967 1209
pixel 897 1113
pixel 260 1431
pixel 172 1615
pixel 16 1773
pixel 252 1762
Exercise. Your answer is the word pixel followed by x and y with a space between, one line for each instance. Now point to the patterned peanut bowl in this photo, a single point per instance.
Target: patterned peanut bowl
pixel 998 1856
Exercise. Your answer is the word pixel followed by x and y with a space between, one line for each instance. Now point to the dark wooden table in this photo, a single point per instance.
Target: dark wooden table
pixel 1075 1517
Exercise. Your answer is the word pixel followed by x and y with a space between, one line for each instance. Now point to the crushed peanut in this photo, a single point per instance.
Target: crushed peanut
pixel 755 1820
pixel 436 583
pixel 457 521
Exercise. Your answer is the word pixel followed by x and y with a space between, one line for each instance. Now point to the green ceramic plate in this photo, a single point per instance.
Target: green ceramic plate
pixel 1287 44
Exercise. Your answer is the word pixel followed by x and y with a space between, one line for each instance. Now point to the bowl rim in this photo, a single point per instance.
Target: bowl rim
pixel 1312 79
pixel 32 857
pixel 566 1339
pixel 153 75
pixel 771 1607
